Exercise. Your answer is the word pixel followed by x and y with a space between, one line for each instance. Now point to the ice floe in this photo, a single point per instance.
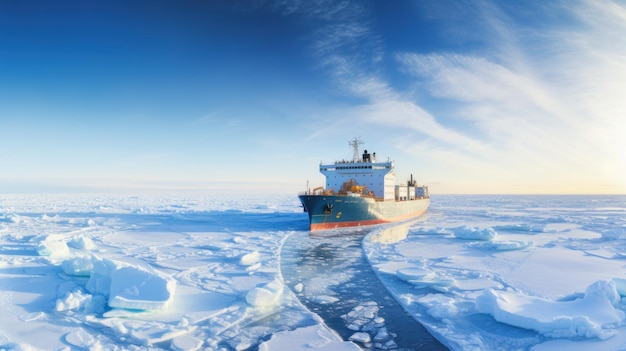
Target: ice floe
pixel 546 276
pixel 307 338
pixel 181 272
pixel 594 315
pixel 474 233
pixel 265 295
pixel 369 327
pixel 156 272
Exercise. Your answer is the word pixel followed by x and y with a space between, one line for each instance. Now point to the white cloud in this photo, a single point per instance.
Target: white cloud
pixel 560 113
pixel 537 106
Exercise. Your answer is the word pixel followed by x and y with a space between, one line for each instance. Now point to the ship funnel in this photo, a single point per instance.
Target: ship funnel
pixel 366 157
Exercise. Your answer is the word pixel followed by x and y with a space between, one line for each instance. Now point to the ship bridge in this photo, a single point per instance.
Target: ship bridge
pixel 377 177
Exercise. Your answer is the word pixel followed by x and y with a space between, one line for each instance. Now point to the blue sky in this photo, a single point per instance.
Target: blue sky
pixel 469 96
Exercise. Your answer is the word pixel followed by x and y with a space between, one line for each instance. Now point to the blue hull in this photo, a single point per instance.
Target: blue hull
pixel 336 211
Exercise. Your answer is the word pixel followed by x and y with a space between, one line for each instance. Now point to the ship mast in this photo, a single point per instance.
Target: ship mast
pixel 355 144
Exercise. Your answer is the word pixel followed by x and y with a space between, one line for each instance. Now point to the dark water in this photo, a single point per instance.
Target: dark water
pixel 338 284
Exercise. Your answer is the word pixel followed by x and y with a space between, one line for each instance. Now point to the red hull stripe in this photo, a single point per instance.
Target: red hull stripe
pixel 333 225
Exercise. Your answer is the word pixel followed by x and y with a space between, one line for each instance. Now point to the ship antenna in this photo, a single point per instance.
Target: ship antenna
pixel 355 144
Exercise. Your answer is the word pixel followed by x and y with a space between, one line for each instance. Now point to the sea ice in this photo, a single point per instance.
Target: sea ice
pixel 511 292
pixel 78 266
pixel 265 295
pixel 130 287
pixel 82 243
pixel 186 343
pixel 361 337
pixel 307 338
pixel 249 258
pixel 298 287
pixel 474 233
pixel 81 339
pixel 424 278
pixel 136 288
pixel 505 245
pixel 72 300
pixel 206 262
pixel 364 320
pixel 620 285
pixel 594 315
pixel 53 246
pixel 439 305
pixel 415 273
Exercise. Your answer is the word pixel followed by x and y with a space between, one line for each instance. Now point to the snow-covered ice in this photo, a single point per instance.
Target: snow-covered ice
pixel 512 272
pixel 594 315
pixel 203 272
pixel 118 272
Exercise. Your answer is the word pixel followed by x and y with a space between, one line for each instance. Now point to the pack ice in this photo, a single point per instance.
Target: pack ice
pixel 540 273
pixel 117 272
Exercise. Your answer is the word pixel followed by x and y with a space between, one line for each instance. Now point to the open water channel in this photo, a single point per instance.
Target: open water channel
pixel 332 277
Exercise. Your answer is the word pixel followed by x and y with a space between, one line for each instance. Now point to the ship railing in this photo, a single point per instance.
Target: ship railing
pixel 346 194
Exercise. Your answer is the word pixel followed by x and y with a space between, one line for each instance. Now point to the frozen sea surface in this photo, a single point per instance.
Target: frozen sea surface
pixel 512 272
pixel 181 272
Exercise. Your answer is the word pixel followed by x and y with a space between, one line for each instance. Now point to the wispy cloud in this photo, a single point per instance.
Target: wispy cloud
pixel 540 101
pixel 552 101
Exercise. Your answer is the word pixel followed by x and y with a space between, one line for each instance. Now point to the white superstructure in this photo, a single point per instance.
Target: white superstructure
pixel 377 178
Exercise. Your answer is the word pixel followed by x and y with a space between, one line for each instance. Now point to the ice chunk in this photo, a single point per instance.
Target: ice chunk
pixel 100 278
pixel 474 233
pixel 382 335
pixel 507 245
pixel 136 288
pixel 512 245
pixel 592 316
pixel 78 266
pixel 130 287
pixel 250 258
pixel 324 299
pixel 315 337
pixel 360 337
pixel 408 274
pixel 82 243
pixel 79 300
pixel 186 343
pixel 72 300
pixel 620 285
pixel 425 278
pixel 365 321
pixel 265 295
pixel 254 267
pixel 53 246
pixel 82 340
pixel 439 306
pixel 147 332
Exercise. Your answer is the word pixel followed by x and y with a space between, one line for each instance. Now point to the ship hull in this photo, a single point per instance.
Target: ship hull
pixel 335 211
